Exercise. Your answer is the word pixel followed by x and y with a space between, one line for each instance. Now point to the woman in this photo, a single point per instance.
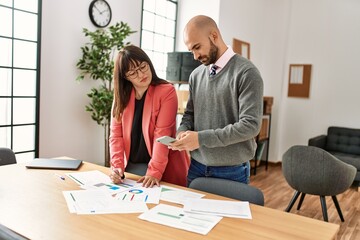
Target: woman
pixel 144 109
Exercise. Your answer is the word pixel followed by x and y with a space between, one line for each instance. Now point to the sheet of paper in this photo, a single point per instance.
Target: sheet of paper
pixel 111 187
pixel 177 195
pixel 99 202
pixel 141 194
pixel 176 217
pixel 70 201
pixel 89 177
pixel 235 209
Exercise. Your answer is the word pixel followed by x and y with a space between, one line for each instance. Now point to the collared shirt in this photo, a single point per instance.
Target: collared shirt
pixel 224 59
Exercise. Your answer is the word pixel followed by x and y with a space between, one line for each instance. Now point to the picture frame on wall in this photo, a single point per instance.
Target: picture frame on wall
pixel 241 47
pixel 299 80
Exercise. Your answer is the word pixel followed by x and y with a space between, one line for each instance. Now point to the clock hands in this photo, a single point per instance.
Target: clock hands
pixel 97 9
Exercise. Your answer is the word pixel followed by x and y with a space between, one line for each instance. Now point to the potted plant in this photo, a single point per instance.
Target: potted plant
pixel 97 63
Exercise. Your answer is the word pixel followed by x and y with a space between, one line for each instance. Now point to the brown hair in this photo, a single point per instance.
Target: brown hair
pixel 127 57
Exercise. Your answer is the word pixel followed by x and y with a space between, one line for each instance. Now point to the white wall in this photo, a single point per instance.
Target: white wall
pixel 66 129
pixel 190 8
pixel 324 33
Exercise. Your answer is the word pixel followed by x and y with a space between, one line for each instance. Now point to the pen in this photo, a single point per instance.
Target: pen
pixel 61 177
pixel 117 172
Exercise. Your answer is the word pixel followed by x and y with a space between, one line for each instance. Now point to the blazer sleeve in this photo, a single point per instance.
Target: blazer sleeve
pixel 164 122
pixel 116 144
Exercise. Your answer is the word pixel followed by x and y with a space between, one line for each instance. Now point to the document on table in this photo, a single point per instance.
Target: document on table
pixel 177 195
pixel 100 181
pixel 99 202
pixel 140 194
pixel 235 209
pixel 88 177
pixel 112 188
pixel 176 217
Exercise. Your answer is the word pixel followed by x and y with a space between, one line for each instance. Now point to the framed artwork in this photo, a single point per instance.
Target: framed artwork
pixel 241 47
pixel 299 80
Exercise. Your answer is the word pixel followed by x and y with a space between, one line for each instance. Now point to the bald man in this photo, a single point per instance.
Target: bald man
pixel 224 111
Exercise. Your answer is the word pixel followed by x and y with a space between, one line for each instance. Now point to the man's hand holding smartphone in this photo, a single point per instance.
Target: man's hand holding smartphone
pixel 166 140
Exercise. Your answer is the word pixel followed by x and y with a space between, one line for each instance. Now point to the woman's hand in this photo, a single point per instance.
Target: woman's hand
pixel 149 181
pixel 117 175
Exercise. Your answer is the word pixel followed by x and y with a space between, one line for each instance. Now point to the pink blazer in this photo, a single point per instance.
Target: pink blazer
pixel 159 119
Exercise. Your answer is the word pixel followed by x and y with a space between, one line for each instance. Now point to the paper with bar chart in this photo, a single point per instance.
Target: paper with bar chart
pixel 176 217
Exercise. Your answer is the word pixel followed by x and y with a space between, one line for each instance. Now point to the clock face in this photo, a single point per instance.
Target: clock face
pixel 100 13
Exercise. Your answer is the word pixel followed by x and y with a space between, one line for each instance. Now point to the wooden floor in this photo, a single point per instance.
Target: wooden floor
pixel 277 194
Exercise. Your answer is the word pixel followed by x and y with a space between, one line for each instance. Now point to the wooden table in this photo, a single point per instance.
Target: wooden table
pixel 32 204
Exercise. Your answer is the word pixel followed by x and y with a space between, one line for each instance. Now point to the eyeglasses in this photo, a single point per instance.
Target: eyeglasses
pixel 132 74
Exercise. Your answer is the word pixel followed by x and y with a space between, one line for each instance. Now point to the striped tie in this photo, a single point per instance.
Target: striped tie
pixel 213 70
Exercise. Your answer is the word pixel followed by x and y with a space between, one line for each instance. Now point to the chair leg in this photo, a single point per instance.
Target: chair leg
pixel 323 206
pixel 255 161
pixel 293 200
pixel 301 200
pixel 338 208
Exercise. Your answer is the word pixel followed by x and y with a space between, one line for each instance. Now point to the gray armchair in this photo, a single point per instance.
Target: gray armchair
pixel 228 188
pixel 343 143
pixel 312 170
pixel 7 156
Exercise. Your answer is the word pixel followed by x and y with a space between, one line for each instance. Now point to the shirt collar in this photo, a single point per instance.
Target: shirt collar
pixel 224 59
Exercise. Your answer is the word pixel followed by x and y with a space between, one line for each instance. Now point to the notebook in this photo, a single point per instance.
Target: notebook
pixel 48 163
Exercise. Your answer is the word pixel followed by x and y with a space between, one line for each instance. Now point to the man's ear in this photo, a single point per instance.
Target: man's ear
pixel 214 36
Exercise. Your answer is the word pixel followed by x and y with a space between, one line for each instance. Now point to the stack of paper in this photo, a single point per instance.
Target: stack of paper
pixel 223 208
pixel 99 202
pixel 177 218
pixel 101 196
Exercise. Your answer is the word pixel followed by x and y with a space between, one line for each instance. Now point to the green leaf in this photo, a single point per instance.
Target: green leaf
pixel 97 64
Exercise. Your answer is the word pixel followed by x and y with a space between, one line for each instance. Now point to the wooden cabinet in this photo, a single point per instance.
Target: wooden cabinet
pixel 263 139
pixel 182 96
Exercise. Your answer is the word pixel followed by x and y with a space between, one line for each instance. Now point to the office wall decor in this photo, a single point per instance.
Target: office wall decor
pixel 241 47
pixel 299 80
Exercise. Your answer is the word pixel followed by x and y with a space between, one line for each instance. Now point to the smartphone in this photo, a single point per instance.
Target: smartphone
pixel 165 140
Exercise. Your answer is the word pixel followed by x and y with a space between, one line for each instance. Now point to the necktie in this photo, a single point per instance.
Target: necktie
pixel 213 70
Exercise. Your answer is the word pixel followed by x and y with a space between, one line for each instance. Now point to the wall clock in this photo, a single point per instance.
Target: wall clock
pixel 100 13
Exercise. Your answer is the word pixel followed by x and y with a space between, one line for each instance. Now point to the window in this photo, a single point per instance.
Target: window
pixel 158 31
pixel 19 76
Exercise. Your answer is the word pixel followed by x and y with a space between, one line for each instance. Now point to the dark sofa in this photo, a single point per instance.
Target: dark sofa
pixel 343 143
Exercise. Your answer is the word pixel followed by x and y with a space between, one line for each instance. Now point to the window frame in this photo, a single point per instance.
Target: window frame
pixel 8 126
pixel 159 68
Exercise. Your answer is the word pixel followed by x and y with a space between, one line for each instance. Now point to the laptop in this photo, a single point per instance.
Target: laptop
pixel 49 163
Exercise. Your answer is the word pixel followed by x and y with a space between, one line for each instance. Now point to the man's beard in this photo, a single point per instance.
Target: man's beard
pixel 211 58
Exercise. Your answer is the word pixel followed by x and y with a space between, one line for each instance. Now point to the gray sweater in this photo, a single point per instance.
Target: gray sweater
pixel 226 111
